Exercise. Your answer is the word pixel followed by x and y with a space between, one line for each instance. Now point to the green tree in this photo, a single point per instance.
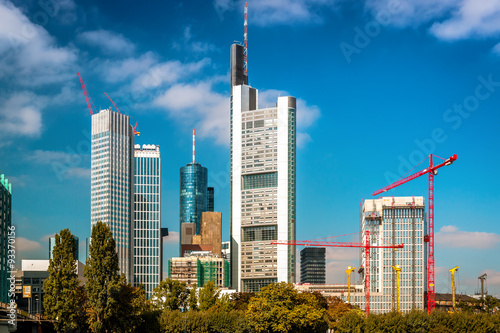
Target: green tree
pixel 336 309
pixel 101 272
pixel 352 322
pixel 63 301
pixel 241 300
pixel 208 295
pixel 170 295
pixel 280 308
pixel 193 299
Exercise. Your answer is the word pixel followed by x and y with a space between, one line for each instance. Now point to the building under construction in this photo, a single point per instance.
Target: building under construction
pixel 197 271
pixel 390 221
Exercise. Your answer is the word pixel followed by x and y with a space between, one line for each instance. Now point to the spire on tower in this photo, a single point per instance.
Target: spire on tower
pixel 193 144
pixel 245 50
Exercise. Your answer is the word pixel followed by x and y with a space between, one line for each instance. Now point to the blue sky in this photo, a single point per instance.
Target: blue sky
pixel 380 85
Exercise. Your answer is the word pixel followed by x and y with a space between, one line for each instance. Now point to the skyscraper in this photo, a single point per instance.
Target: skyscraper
pixel 312 265
pixel 263 173
pixel 395 220
pixel 147 218
pixel 5 224
pixel 112 181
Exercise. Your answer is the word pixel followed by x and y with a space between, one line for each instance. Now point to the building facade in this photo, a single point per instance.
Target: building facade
pixel 198 270
pixel 5 225
pixel 263 183
pixel 112 181
pixel 313 265
pixel 147 217
pixel 395 220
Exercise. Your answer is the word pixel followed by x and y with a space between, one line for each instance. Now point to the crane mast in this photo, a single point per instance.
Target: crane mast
pixel 397 269
pixel 349 271
pixel 452 272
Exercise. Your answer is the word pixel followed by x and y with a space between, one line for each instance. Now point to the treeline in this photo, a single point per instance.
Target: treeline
pixel 107 303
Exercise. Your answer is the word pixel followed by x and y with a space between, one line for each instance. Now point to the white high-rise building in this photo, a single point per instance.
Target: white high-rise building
pixel 147 233
pixel 112 181
pixel 395 220
pixel 263 183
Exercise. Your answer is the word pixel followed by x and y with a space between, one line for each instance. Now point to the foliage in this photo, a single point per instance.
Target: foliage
pixel 489 305
pixel 280 308
pixel 193 299
pixel 170 295
pixel 102 286
pixel 63 302
pixel 208 295
pixel 336 309
pixel 203 322
pixel 241 299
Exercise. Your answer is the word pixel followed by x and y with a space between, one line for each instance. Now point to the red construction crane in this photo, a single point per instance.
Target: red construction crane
pixel 116 107
pixel 87 98
pixel 432 171
pixel 367 246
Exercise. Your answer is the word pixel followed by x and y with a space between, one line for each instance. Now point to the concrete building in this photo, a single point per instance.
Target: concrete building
pixel 395 220
pixel 199 270
pixel 263 183
pixel 5 229
pixel 112 181
pixel 147 217
pixel 313 265
pixel 226 250
pixel 332 290
pixel 52 243
pixel 210 236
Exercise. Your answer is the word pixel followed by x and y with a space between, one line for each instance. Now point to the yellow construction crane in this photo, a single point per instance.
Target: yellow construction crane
pixel 397 269
pixel 452 271
pixel 349 271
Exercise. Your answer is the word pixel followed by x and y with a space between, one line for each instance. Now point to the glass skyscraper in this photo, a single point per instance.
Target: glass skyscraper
pixel 147 233
pixel 5 224
pixel 193 194
pixel 112 181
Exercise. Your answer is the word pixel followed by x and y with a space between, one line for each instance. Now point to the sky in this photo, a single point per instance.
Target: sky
pixel 380 85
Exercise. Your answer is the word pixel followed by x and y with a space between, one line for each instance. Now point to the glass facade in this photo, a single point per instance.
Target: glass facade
pixel 5 224
pixel 112 181
pixel 193 194
pixel 210 199
pixel 147 217
pixel 312 265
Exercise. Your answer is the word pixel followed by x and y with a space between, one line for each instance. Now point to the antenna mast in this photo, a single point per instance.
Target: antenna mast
pixel 245 50
pixel 193 143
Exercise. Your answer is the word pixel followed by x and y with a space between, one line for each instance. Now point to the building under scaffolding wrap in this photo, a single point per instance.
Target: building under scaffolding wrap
pixel 395 220
pixel 199 270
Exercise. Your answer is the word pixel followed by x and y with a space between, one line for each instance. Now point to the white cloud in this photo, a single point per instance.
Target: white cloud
pixel 172 238
pixel 198 102
pixel 108 41
pixel 496 49
pixel 473 19
pixel 28 53
pixel 24 244
pixel 275 12
pixel 194 45
pixel 303 139
pixel 451 237
pixel 75 172
pixel 20 115
pixel 117 71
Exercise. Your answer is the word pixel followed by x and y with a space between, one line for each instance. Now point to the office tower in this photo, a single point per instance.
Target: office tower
pixel 238 76
pixel 210 199
pixel 5 228
pixel 52 243
pixel 395 220
pixel 147 217
pixel 210 233
pixel 112 181
pixel 312 265
pixel 263 204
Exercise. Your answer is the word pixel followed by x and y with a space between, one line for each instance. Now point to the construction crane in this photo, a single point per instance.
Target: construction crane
pixel 452 272
pixel 397 269
pixel 118 110
pixel 431 171
pixel 87 98
pixel 349 271
pixel 366 246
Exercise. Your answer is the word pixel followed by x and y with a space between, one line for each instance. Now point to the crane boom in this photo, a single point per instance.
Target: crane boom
pixel 87 98
pixel 431 171
pixel 367 246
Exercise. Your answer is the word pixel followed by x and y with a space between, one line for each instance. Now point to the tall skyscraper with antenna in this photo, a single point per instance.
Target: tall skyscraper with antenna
pixel 263 182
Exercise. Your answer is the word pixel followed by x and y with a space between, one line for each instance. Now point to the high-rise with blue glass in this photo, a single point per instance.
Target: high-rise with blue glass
pixel 5 224
pixel 147 221
pixel 112 181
